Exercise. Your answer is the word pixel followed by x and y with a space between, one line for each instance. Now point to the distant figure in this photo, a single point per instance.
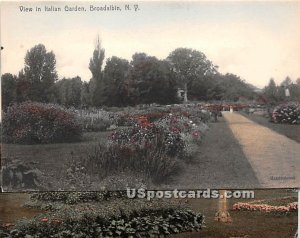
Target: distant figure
pixel 231 109
pixel 215 115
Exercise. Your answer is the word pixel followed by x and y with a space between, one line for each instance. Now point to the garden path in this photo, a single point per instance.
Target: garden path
pixel 220 163
pixel 274 158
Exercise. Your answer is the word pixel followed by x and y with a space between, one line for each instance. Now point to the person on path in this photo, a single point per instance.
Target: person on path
pixel 215 115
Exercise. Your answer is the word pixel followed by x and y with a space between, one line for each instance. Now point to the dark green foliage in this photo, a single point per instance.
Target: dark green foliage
pixel 40 71
pixel 234 88
pixel 151 161
pixel 34 123
pixel 189 66
pixel 95 66
pixel 150 81
pixel 271 92
pixel 115 85
pixel 276 94
pixel 288 113
pixel 143 223
pixel 76 197
pixel 69 92
pixel 144 80
pixel 8 85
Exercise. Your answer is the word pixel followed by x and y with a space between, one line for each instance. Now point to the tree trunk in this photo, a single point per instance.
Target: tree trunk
pixel 185 99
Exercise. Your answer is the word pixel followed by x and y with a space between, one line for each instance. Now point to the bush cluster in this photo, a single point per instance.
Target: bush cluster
pixel 153 162
pixel 154 145
pixel 150 136
pixel 143 223
pixel 288 113
pixel 39 123
pixel 76 197
pixel 97 120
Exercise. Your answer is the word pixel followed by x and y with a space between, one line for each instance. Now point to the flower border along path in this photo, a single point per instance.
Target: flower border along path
pixel 274 158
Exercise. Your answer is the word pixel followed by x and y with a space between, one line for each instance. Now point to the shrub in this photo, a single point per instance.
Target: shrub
pixel 142 223
pixel 288 113
pixel 147 136
pixel 97 120
pixel 95 124
pixel 34 123
pixel 153 162
pixel 76 197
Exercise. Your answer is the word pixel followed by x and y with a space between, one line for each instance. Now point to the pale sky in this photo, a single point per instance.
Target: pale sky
pixel 255 40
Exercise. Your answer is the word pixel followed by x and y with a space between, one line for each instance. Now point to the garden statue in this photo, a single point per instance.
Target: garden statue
pixel 223 215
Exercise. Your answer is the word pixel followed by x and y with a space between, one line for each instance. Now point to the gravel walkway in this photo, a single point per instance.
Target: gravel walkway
pixel 274 158
pixel 220 163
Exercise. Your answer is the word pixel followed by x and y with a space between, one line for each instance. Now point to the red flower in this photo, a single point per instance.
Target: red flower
pixel 45 219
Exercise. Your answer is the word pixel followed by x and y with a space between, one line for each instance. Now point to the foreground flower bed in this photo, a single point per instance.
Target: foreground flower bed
pixel 117 217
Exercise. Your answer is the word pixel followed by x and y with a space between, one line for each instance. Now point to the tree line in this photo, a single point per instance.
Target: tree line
pixel 143 80
pixel 275 94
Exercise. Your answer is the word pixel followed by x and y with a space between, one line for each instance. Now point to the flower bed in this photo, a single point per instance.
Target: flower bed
pixel 150 162
pixel 97 120
pixel 36 123
pixel 262 206
pixel 76 197
pixel 146 223
pixel 288 113
pixel 118 217
pixel 154 145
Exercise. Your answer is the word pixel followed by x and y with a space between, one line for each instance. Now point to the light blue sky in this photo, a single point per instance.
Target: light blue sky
pixel 256 40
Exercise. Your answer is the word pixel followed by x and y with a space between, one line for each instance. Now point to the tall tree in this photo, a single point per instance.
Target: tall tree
pixel 115 74
pixel 69 92
pixel 85 95
pixel 8 88
pixel 23 87
pixel 287 82
pixel 95 67
pixel 271 92
pixel 150 80
pixel 40 71
pixel 188 65
pixel 234 88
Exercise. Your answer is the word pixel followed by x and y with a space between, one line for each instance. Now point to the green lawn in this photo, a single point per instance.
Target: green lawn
pixel 246 223
pixel 52 160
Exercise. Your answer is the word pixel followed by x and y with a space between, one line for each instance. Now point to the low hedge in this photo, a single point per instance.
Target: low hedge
pixel 76 197
pixel 143 223
pixel 38 123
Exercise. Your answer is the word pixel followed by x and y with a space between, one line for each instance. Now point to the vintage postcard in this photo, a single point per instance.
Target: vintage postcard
pixel 268 213
pixel 150 94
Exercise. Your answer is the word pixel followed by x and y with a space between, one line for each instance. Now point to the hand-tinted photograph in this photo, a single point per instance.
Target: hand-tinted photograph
pixel 235 214
pixel 156 95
